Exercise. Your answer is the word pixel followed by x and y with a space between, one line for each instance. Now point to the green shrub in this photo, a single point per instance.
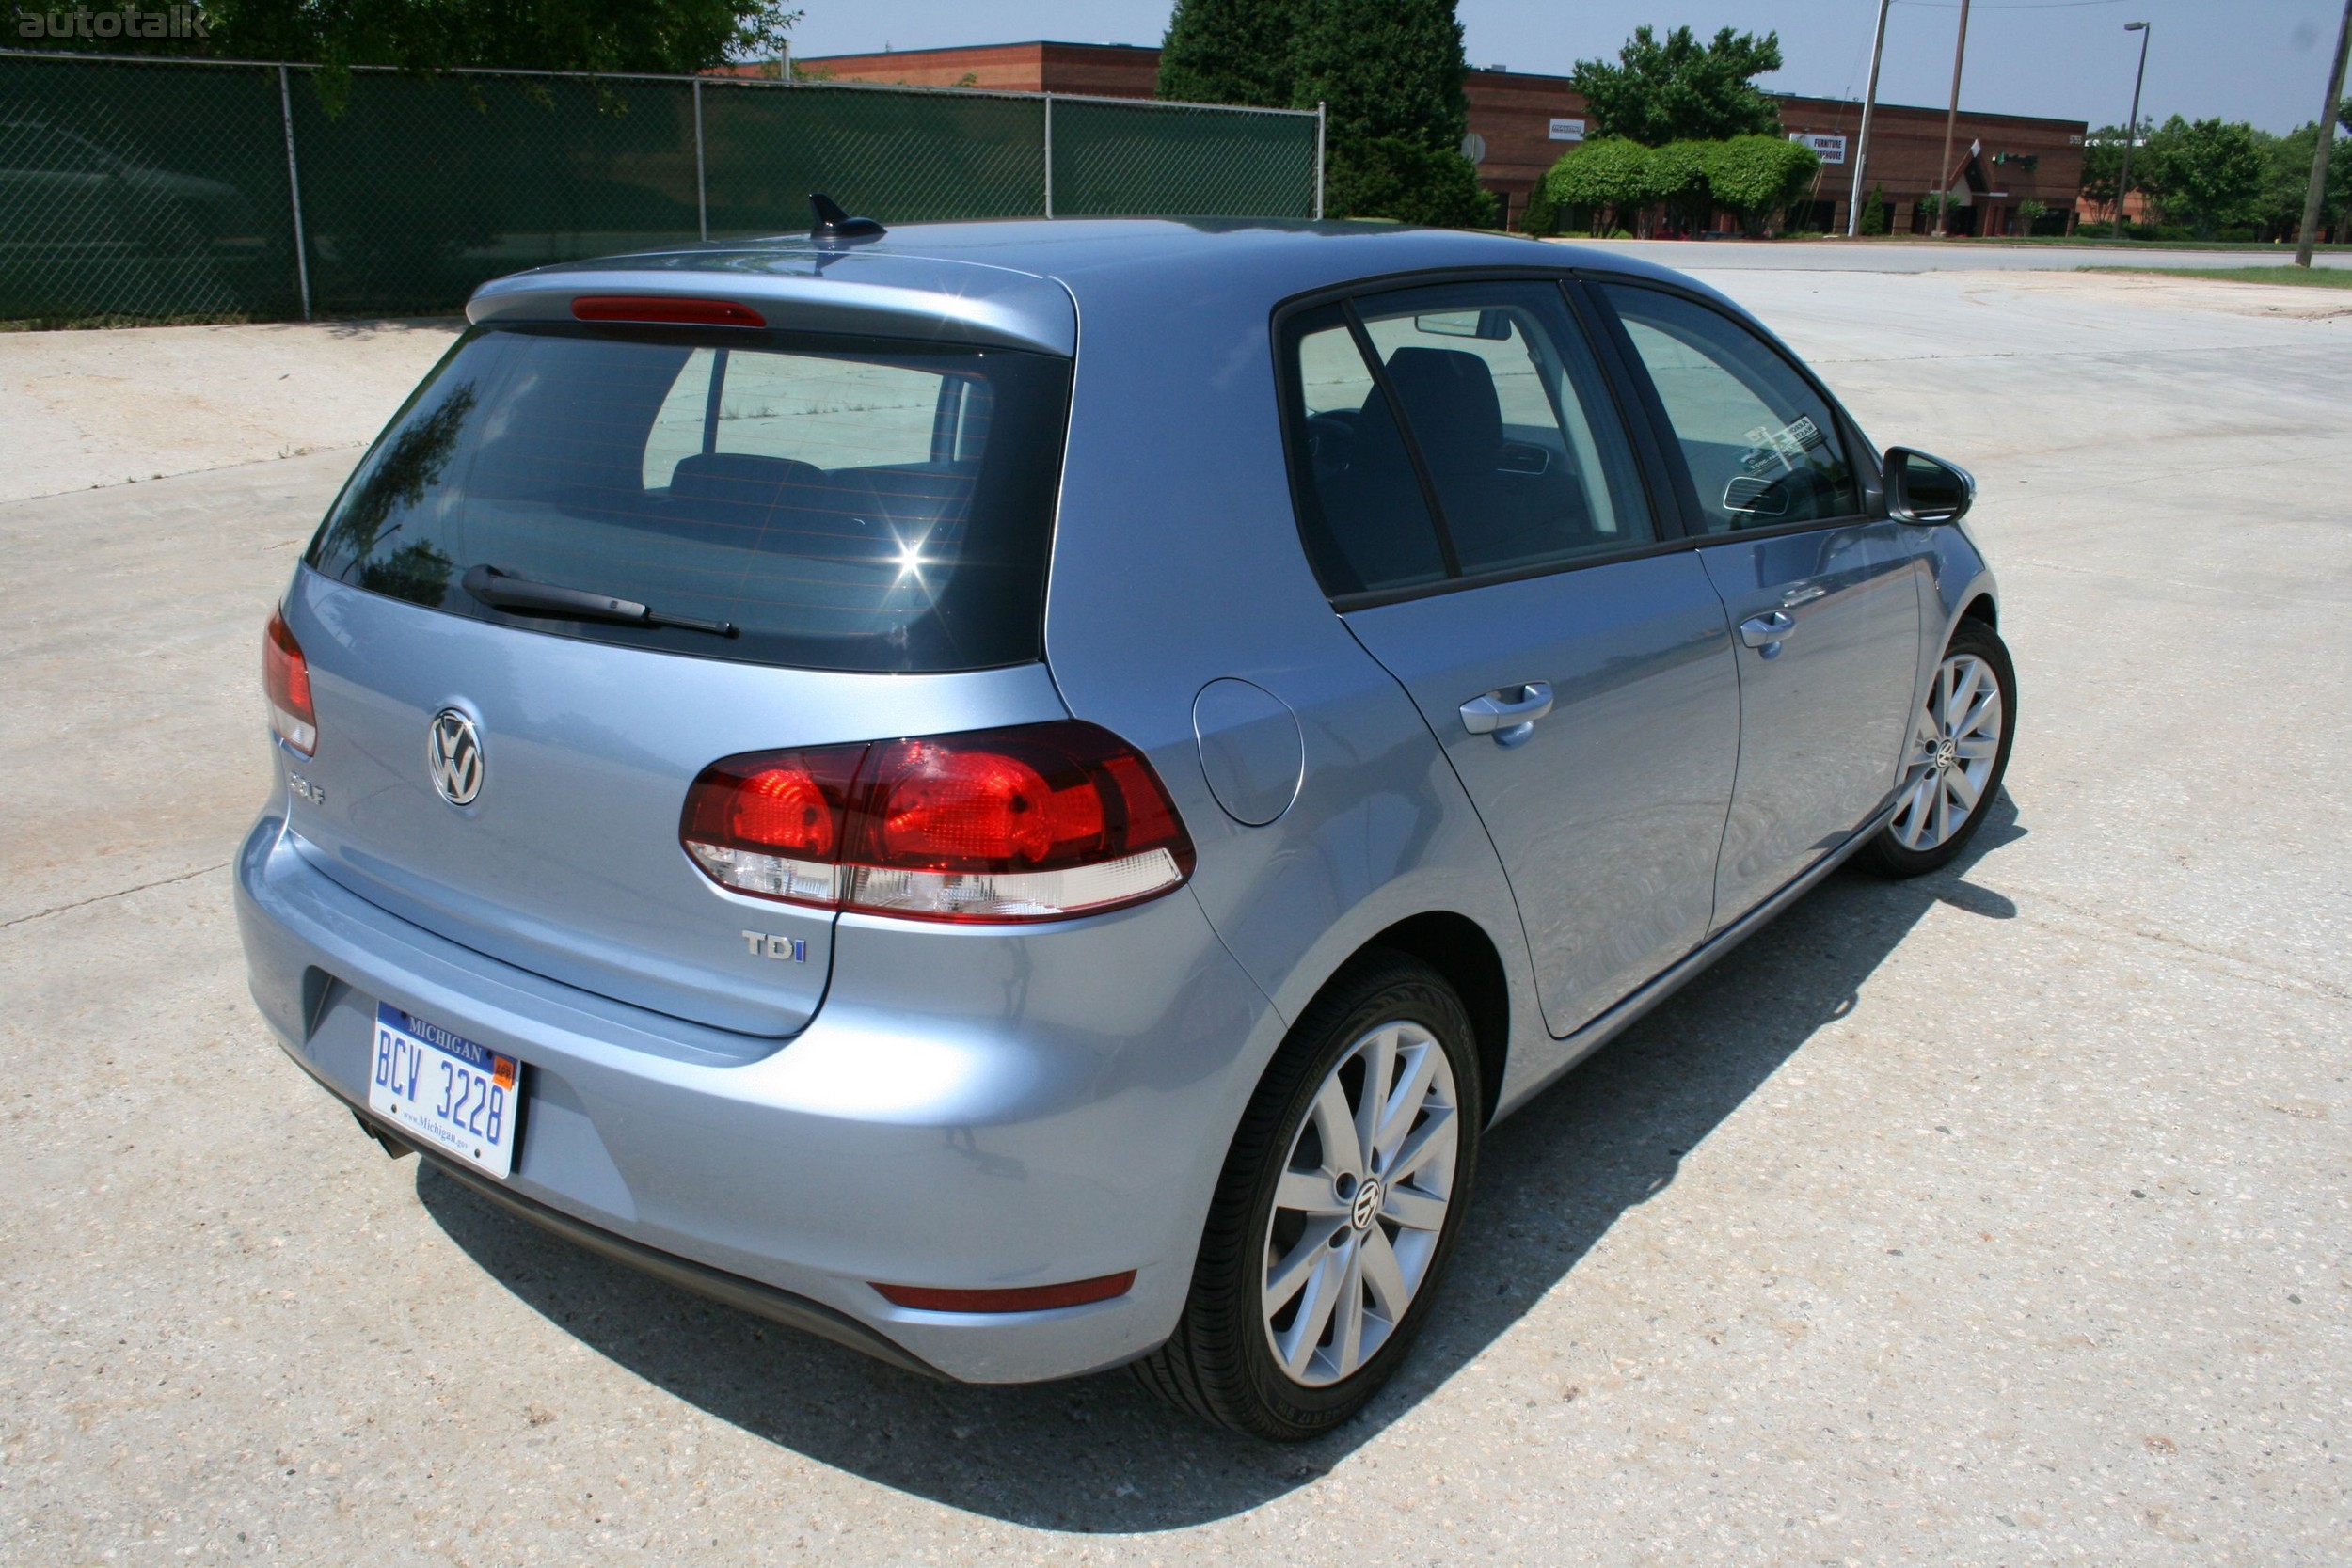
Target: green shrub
pixel 1389 177
pixel 1607 179
pixel 1680 182
pixel 1757 177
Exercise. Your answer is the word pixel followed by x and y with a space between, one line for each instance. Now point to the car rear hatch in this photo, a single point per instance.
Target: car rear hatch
pixel 591 558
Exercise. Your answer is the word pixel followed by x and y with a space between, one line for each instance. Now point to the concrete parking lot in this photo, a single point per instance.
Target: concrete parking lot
pixel 2005 1216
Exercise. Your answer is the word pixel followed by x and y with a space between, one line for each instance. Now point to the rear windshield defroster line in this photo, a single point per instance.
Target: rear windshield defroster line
pixel 844 503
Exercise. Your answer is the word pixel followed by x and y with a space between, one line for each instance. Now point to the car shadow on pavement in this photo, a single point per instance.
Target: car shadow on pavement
pixel 1099 1454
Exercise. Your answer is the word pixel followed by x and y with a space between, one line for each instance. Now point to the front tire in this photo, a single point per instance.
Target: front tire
pixel 1337 1209
pixel 1956 756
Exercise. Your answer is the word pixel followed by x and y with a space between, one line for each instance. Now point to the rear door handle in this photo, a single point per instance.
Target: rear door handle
pixel 1767 631
pixel 1508 713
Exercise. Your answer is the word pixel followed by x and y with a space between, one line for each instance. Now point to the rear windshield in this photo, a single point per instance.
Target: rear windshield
pixel 844 503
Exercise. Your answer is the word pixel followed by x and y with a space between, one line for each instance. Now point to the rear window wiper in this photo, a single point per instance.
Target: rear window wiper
pixel 503 590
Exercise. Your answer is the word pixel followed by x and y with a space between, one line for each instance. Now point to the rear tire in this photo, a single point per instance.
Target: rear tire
pixel 1333 1222
pixel 1956 756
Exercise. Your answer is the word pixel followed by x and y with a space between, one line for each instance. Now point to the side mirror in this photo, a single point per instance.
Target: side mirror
pixel 1924 489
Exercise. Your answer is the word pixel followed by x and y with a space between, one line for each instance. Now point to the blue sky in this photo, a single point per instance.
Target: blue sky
pixel 2261 60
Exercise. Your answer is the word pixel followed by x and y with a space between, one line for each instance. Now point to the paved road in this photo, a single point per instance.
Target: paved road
pixel 1951 256
pixel 1997 1217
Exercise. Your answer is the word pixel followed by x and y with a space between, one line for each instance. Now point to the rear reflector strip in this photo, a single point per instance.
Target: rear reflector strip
pixel 1027 1298
pixel 668 309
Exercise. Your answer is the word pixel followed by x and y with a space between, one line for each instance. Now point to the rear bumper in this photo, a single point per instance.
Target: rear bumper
pixel 969 1109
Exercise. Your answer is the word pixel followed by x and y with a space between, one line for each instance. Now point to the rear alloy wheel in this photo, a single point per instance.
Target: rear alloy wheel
pixel 1956 755
pixel 1339 1205
pixel 1360 1204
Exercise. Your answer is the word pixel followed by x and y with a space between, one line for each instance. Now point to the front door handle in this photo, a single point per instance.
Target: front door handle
pixel 1508 713
pixel 1766 632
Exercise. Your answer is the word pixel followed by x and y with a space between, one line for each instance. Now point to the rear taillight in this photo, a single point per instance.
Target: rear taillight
pixel 286 680
pixel 1036 823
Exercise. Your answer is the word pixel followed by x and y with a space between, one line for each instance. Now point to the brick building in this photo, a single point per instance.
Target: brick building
pixel 1523 123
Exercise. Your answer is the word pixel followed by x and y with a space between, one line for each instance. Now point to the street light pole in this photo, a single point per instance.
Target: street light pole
pixel 1862 142
pixel 2317 196
pixel 2131 131
pixel 1951 118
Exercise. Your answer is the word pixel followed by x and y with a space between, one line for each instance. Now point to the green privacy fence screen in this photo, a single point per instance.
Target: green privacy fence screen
pixel 169 188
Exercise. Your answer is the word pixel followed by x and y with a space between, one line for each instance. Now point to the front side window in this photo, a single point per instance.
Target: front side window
pixel 1760 445
pixel 844 503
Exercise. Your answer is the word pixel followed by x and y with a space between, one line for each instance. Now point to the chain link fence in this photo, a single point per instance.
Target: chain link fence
pixel 179 188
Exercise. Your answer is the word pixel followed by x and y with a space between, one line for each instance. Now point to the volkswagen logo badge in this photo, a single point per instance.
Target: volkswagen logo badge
pixel 453 754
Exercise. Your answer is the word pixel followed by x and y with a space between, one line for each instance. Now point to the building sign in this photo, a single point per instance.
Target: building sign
pixel 1567 129
pixel 1832 149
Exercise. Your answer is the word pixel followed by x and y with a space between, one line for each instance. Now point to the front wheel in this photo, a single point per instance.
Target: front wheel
pixel 1339 1205
pixel 1956 755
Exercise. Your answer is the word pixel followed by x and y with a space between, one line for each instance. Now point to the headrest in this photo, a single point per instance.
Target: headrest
pixel 741 477
pixel 1448 398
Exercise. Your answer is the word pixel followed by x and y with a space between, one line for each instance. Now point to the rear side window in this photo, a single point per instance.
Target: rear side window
pixel 1361 500
pixel 1513 425
pixel 846 503
pixel 1760 445
pixel 1453 432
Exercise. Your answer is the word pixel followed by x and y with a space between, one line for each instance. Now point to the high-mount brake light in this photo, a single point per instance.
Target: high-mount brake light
pixel 1039 822
pixel 665 310
pixel 286 681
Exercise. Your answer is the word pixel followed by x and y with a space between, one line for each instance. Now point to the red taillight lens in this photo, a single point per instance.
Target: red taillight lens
pixel 952 805
pixel 771 824
pixel 286 681
pixel 665 309
pixel 1036 823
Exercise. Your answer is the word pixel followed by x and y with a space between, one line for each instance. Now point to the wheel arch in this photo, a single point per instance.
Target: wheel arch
pixel 1458 948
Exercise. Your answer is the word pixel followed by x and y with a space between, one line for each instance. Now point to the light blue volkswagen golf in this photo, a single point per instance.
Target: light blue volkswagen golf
pixel 1017 794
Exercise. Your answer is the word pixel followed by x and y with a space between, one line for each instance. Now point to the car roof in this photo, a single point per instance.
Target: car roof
pixel 1025 283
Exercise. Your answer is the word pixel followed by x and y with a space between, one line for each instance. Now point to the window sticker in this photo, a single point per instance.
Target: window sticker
pixel 1782 447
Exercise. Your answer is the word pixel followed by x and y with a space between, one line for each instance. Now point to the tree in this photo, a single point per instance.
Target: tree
pixel 1874 219
pixel 1678 89
pixel 663 36
pixel 1607 179
pixel 2287 179
pixel 1389 75
pixel 1383 68
pixel 2102 165
pixel 1542 212
pixel 2207 173
pixel 1758 177
pixel 1229 52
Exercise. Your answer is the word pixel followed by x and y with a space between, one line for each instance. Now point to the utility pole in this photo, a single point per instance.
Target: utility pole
pixel 2131 131
pixel 2318 194
pixel 1862 142
pixel 1951 120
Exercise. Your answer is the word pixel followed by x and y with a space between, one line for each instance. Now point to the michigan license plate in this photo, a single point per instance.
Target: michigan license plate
pixel 459 1096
